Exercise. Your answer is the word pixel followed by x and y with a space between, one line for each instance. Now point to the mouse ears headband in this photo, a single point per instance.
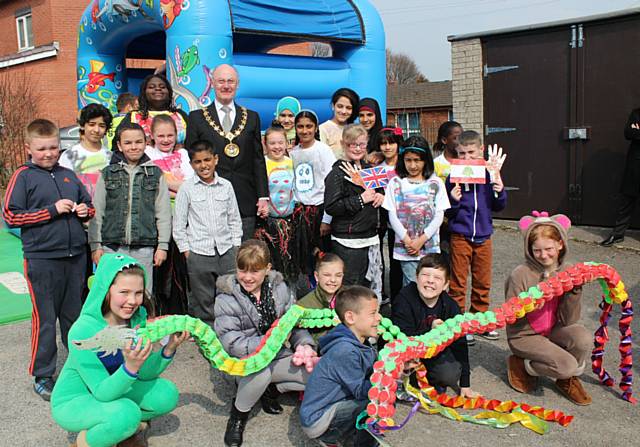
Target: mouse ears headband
pixel 540 217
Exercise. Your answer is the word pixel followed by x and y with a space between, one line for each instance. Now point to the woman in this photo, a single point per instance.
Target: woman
pixel 344 104
pixel 371 119
pixel 286 111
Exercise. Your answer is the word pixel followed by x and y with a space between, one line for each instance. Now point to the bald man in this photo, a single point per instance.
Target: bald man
pixel 234 132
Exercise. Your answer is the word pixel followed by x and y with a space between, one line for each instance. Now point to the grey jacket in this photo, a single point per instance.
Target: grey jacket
pixel 236 318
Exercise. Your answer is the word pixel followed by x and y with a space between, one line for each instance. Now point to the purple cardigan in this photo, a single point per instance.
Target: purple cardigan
pixel 471 217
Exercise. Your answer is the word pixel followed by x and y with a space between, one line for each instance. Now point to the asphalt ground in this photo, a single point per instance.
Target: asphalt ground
pixel 206 394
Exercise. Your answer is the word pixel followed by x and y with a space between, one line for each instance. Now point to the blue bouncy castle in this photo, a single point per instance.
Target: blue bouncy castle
pixel 195 36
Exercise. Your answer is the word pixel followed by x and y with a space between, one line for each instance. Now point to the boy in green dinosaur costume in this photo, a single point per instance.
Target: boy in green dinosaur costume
pixel 109 396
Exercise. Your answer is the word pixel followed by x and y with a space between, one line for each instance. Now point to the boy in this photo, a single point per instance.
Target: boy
pixel 207 228
pixel 49 204
pixel 337 389
pixel 424 305
pixel 471 227
pixel 133 211
pixel 89 157
pixel 126 102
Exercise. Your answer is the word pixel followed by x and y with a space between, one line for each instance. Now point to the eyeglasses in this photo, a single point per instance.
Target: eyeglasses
pixel 355 145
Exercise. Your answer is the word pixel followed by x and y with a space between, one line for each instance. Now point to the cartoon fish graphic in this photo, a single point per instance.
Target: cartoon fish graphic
pixel 170 10
pixel 96 77
pixel 95 10
pixel 189 60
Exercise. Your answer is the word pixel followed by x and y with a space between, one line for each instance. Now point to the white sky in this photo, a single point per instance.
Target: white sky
pixel 420 28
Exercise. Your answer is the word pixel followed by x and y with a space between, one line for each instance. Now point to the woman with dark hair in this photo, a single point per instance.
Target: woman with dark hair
pixel 156 98
pixel 371 119
pixel 344 104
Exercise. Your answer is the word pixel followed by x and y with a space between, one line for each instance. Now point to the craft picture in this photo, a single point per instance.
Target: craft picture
pixel 468 171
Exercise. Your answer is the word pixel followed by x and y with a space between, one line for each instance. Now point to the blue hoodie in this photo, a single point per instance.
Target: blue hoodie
pixel 341 374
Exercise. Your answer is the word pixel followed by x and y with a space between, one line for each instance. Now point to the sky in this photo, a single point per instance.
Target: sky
pixel 419 28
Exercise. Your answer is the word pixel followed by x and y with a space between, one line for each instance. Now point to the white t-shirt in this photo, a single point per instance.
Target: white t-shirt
pixel 416 208
pixel 331 135
pixel 311 166
pixel 86 164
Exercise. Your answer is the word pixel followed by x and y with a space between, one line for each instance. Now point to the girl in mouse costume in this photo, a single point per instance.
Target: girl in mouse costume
pixel 108 397
pixel 548 341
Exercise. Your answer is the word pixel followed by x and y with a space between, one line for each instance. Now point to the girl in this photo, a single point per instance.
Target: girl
pixel 549 341
pixel 173 162
pixel 110 397
pixel 312 161
pixel 344 104
pixel 371 119
pixel 248 304
pixel 444 149
pixel 387 142
pixel 286 111
pixel 416 200
pixel 279 229
pixel 156 98
pixel 355 217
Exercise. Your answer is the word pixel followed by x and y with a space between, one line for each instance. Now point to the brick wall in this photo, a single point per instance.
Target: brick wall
pixel 466 67
pixel 430 120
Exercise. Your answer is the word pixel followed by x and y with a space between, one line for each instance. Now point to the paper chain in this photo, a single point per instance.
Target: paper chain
pixel 401 349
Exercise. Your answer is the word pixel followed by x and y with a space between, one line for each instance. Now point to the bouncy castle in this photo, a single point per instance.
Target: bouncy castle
pixel 195 36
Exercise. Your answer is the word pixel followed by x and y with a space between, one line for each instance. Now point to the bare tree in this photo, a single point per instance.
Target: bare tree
pixel 19 105
pixel 321 49
pixel 401 69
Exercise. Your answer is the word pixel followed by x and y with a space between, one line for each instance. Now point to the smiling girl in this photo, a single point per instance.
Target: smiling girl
pixel 110 397
pixel 344 104
pixel 416 201
pixel 286 111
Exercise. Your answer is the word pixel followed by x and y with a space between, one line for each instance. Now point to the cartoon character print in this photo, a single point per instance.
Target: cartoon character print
pixel 87 169
pixel 171 9
pixel 304 177
pixel 171 166
pixel 281 181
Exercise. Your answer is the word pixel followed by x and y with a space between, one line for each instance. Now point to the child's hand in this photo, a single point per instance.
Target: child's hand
pixel 174 341
pixel 82 210
pixel 498 186
pixel 64 206
pixel 136 355
pixel 435 323
pixel 96 255
pixel 375 158
pixel 456 193
pixel 325 229
pixel 417 243
pixel 378 199
pixel 186 254
pixel 468 393
pixel 263 208
pixel 368 195
pixel 159 257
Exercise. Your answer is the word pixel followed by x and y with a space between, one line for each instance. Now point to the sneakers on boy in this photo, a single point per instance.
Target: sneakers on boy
pixel 470 340
pixel 43 386
pixel 490 335
pixel 324 444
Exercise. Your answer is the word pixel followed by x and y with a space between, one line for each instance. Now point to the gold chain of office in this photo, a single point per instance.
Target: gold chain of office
pixel 231 150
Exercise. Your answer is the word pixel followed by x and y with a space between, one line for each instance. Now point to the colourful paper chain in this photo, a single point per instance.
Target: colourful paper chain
pixel 400 348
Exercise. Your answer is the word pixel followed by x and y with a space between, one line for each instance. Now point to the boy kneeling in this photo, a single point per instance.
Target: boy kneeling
pixel 337 389
pixel 424 305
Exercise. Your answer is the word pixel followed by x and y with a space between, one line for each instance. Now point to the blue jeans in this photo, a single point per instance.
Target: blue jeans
pixel 343 425
pixel 408 271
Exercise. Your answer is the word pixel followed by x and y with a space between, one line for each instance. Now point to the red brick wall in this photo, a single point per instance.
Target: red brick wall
pixel 430 120
pixel 52 20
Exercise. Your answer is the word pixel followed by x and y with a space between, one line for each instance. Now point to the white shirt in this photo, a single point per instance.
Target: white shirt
pixel 232 112
pixel 311 167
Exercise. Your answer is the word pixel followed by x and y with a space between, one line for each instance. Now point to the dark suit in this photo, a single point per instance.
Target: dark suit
pixel 247 172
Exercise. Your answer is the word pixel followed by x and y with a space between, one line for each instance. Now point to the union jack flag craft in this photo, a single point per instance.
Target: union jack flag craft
pixel 374 178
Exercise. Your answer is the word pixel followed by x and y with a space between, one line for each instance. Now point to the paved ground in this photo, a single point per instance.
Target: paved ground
pixel 205 394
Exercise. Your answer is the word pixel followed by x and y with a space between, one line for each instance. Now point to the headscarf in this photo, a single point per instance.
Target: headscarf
pixel 372 105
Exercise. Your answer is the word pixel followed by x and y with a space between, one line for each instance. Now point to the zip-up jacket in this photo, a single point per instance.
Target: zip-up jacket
pixel 30 204
pixel 471 216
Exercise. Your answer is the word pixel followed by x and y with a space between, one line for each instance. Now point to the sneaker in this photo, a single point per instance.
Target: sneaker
pixel 324 444
pixel 490 335
pixel 43 386
pixel 470 340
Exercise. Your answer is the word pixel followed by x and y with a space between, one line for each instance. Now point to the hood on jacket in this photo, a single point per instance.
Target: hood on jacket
pixel 528 223
pixel 228 284
pixel 110 265
pixel 339 334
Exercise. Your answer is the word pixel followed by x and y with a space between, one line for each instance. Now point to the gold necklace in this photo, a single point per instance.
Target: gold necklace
pixel 231 150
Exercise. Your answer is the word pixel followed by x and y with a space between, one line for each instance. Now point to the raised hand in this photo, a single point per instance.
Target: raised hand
pixel 495 162
pixel 352 174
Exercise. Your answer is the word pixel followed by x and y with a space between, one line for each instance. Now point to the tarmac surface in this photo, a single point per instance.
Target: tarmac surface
pixel 206 395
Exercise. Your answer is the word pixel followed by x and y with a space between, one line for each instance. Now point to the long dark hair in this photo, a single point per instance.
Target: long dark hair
pixel 372 104
pixel 386 135
pixel 313 117
pixel 417 145
pixel 353 98
pixel 143 104
pixel 444 131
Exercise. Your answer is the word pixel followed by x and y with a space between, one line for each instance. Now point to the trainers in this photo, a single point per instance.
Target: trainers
pixel 43 386
pixel 470 340
pixel 490 335
pixel 573 390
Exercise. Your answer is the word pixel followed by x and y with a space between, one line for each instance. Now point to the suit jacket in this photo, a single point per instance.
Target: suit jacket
pixel 247 171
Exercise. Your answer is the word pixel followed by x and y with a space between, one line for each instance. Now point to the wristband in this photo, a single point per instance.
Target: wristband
pixel 129 373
